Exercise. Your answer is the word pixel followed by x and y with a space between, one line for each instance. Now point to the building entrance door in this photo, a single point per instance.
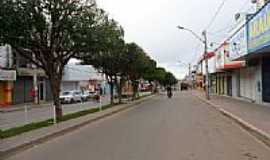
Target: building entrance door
pixel 229 85
pixel 41 91
pixel 2 93
pixel 266 80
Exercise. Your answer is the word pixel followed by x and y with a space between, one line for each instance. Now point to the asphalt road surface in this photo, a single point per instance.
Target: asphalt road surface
pixel 182 128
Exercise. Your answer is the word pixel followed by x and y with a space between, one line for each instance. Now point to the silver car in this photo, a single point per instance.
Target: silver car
pixel 71 96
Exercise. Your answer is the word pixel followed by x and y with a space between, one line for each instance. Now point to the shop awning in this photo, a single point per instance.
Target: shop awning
pixel 235 64
pixel 207 56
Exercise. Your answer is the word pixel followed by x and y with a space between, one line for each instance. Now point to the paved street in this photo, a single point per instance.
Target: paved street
pixel 182 128
pixel 18 118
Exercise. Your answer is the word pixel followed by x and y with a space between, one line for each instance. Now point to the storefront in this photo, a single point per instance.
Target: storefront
pixel 258 55
pixel 247 83
pixel 241 76
pixel 266 79
pixel 221 84
pixel 23 87
pixel 6 83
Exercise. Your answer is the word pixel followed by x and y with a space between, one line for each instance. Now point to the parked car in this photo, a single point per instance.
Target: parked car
pixel 70 96
pixel 184 86
pixel 86 95
pixel 92 94
pixel 79 96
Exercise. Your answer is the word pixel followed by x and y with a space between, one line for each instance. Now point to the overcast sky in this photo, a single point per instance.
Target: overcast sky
pixel 152 25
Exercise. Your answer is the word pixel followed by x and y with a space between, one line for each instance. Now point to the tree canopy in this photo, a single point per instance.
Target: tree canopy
pixel 49 33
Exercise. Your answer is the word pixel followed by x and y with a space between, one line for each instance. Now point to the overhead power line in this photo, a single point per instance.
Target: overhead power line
pixel 216 14
pixel 230 24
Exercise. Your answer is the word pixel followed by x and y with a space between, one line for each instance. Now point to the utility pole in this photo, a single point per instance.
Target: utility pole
pixel 206 66
pixel 204 41
pixel 189 69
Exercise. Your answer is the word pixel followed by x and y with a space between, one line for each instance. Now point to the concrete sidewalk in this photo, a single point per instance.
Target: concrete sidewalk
pixel 20 107
pixel 254 115
pixel 26 140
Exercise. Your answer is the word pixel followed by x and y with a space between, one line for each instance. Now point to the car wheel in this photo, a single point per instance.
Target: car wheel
pixel 72 101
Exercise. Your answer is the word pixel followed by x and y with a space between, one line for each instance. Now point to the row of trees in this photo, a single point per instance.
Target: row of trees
pixel 51 32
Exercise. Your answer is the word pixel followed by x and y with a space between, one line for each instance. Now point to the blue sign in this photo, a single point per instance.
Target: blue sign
pixel 259 30
pixel 238 43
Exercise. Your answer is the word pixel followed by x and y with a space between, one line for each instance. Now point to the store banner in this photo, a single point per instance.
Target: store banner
pixel 220 57
pixel 259 30
pixel 7 75
pixel 238 43
pixel 224 59
pixel 6 57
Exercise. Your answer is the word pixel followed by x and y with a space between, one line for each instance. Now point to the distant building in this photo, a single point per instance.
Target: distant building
pixel 19 78
pixel 7 75
pixel 82 77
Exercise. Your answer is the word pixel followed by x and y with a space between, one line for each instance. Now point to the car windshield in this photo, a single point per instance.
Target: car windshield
pixel 77 93
pixel 66 93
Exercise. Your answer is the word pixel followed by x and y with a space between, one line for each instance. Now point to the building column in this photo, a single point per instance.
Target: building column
pixel 8 90
pixel 35 87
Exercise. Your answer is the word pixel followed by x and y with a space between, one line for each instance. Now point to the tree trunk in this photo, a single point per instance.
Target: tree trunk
pixel 55 83
pixel 135 89
pixel 117 88
pixel 120 89
pixel 111 90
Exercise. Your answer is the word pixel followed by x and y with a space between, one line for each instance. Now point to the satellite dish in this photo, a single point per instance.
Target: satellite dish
pixel 237 16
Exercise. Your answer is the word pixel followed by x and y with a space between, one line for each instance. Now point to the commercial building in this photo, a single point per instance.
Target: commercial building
pixel 32 85
pixel 259 51
pixel 83 77
pixel 242 61
pixel 20 81
pixel 7 75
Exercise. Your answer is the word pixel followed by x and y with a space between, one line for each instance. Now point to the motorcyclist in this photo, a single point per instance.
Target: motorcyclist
pixel 169 92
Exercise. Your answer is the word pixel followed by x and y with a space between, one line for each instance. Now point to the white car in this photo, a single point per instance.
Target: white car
pixel 70 96
pixel 85 95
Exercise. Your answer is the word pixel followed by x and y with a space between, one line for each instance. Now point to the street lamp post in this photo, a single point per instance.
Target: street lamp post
pixel 188 65
pixel 204 41
pixel 206 66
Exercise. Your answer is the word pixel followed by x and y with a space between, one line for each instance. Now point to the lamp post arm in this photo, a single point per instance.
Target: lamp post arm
pixel 194 34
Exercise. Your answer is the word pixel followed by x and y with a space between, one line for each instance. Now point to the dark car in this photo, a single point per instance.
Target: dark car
pixel 184 86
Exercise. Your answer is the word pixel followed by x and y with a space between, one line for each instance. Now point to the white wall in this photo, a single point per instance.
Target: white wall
pixel 81 73
pixel 250 82
pixel 258 81
pixel 69 86
pixel 235 83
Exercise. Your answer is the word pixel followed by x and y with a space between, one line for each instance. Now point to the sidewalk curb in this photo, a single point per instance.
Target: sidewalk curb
pixel 27 145
pixel 254 131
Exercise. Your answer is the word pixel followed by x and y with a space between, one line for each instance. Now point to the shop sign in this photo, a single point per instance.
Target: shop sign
pixel 220 57
pixel 7 75
pixel 238 44
pixel 6 59
pixel 259 30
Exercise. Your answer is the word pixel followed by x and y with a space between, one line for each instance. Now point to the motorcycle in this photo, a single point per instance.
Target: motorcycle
pixel 169 94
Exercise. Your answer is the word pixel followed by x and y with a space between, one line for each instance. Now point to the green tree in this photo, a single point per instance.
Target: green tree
pixel 137 61
pixel 107 55
pixel 159 75
pixel 49 33
pixel 170 79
